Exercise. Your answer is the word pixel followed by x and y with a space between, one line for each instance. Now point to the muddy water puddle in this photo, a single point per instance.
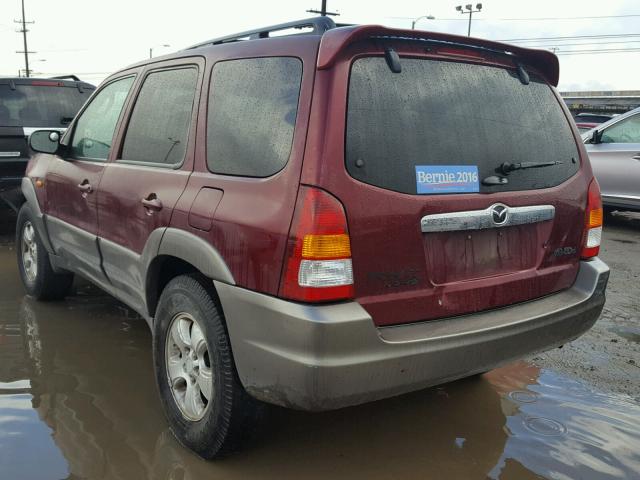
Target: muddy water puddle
pixel 78 400
pixel 630 333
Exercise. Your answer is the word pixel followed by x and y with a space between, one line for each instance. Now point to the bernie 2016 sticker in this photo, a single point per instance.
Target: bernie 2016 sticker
pixel 447 178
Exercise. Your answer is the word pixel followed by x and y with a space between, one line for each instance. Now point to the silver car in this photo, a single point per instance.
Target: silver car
pixel 614 151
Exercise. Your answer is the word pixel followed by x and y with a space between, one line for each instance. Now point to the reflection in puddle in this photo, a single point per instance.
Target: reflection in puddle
pixel 77 393
pixel 25 437
pixel 570 431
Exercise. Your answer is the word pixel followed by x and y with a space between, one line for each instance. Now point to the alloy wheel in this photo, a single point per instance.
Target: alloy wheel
pixel 188 366
pixel 29 249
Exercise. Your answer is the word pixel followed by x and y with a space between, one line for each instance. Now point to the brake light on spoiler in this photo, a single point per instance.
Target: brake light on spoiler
pixel 318 261
pixel 46 83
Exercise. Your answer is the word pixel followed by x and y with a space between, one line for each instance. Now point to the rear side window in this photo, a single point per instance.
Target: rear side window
pixel 49 104
pixel 159 127
pixel 437 114
pixel 94 128
pixel 252 114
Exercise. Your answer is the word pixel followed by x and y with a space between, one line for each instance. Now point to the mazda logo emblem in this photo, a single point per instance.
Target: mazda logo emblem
pixel 499 214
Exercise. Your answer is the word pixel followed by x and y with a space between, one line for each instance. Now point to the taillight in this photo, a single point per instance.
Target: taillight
pixel 318 260
pixel 593 222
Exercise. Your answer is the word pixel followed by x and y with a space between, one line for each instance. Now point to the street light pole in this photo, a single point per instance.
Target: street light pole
pixel 151 49
pixel 469 11
pixel 428 17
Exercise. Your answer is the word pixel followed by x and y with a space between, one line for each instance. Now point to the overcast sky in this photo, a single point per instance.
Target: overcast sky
pixel 93 38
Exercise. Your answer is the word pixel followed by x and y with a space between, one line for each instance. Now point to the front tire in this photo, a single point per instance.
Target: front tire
pixel 207 408
pixel 38 277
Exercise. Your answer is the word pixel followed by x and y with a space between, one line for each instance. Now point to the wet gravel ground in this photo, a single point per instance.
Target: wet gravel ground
pixel 608 355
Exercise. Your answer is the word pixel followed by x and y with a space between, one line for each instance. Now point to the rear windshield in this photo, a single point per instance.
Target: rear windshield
pixel 40 106
pixel 453 121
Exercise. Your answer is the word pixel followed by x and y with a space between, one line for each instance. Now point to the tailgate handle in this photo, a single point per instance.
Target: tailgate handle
pixel 495 216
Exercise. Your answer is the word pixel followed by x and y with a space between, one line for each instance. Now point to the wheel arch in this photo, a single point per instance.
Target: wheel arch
pixel 181 253
pixel 31 199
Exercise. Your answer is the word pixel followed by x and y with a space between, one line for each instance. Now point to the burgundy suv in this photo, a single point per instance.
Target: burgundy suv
pixel 322 219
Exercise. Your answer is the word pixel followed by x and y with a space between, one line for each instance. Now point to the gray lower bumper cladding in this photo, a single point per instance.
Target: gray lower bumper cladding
pixel 332 356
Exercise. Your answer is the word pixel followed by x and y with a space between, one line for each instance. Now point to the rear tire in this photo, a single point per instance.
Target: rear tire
pixel 38 277
pixel 207 408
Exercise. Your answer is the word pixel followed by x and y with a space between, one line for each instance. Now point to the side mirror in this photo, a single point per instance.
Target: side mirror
pixel 596 137
pixel 45 141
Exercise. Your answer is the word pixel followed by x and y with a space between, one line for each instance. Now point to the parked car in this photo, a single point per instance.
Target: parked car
pixel 322 219
pixel 614 151
pixel 26 105
pixel 587 121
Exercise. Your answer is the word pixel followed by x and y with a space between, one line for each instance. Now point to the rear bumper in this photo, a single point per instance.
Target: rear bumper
pixel 332 356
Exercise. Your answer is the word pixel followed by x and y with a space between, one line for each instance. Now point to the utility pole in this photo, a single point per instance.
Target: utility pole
pixel 26 51
pixel 323 10
pixel 468 10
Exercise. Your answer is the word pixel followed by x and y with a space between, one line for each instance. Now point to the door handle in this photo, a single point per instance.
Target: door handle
pixel 85 187
pixel 636 157
pixel 152 203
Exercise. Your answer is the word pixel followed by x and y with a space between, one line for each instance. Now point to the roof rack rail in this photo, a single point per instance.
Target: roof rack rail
pixel 66 77
pixel 319 25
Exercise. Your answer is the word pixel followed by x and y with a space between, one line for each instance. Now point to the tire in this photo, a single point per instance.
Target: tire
pixel 38 277
pixel 207 408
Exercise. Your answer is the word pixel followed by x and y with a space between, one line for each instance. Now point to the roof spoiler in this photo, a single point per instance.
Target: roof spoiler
pixel 334 40
pixel 66 77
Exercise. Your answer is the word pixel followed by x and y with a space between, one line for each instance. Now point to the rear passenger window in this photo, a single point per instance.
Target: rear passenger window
pixel 159 127
pixel 252 114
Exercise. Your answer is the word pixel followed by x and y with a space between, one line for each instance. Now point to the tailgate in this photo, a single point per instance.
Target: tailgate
pixel 439 225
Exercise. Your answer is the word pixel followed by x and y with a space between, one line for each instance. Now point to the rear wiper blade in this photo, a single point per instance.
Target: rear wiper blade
pixel 507 167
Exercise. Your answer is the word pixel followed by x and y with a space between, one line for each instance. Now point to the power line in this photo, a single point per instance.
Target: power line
pixel 64 50
pixel 599 51
pixel 582 44
pixel 533 19
pixel 81 73
pixel 565 18
pixel 577 37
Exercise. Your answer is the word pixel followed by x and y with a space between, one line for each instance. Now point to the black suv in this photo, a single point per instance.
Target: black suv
pixel 28 104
